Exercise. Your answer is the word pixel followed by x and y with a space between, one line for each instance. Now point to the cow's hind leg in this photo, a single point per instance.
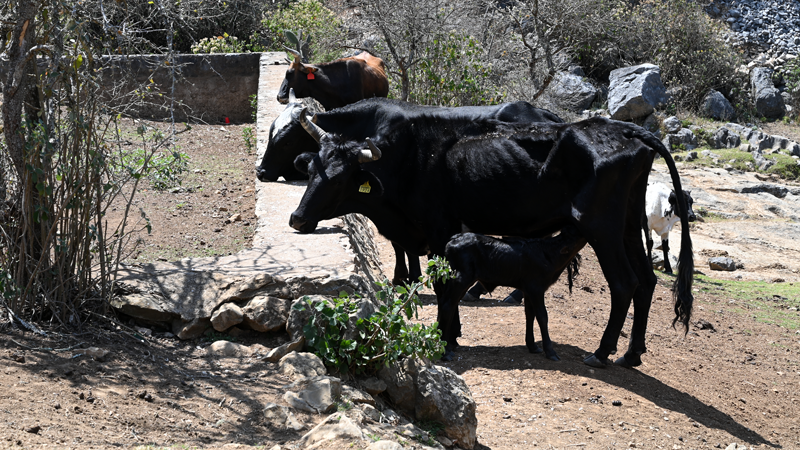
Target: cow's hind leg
pixel 622 283
pixel 514 298
pixel 665 249
pixel 642 299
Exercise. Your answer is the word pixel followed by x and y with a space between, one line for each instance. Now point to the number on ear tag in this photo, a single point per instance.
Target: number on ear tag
pixel 365 188
pixel 310 75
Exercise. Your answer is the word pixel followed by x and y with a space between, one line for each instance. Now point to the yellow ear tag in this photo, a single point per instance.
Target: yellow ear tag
pixel 365 188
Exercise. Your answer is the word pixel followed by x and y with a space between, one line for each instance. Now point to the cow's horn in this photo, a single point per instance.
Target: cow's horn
pixel 313 129
pixel 371 154
pixel 292 98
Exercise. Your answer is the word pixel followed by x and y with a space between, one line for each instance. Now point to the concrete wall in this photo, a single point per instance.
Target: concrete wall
pixel 208 87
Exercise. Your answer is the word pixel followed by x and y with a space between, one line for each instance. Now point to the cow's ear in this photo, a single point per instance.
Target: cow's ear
pixel 302 161
pixel 368 184
pixel 308 69
pixel 673 199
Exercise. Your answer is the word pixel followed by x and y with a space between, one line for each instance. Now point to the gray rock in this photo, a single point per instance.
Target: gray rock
pixel 653 124
pixel 772 189
pixel 444 397
pixel 315 394
pixel 298 319
pixel 634 92
pixel 761 162
pixel 687 138
pixel 759 140
pixel 227 349
pixel 149 307
pixel 336 427
pixel 301 365
pixel 276 354
pixel 658 260
pixel 373 385
pixel 190 329
pixel 265 313
pixel 571 92
pixel 357 396
pixel 722 263
pixel 371 413
pixel 783 143
pixel 691 156
pixel 280 417
pixel 710 154
pixel 725 138
pixel 226 316
pixel 767 98
pixel 716 106
pixel 399 386
pixel 385 445
pixel 672 124
pixel 740 129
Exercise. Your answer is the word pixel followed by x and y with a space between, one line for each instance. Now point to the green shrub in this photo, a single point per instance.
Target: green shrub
pixel 383 338
pixel 310 16
pixel 451 73
pixel 219 44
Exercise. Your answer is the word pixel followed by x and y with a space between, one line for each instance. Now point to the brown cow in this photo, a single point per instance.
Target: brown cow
pixel 336 83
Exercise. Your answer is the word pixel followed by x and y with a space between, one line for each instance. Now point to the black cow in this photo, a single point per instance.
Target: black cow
pixel 371 117
pixel 527 181
pixel 530 265
pixel 337 83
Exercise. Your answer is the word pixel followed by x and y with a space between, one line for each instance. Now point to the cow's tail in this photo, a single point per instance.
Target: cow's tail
pixel 682 288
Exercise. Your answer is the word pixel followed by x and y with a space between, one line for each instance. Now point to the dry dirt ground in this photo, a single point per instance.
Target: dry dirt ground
pixel 734 378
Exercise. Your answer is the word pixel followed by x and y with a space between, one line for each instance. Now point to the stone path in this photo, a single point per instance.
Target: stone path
pixel 339 255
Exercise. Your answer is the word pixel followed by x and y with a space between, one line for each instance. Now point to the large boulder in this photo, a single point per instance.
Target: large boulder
pixel 266 313
pixel 634 92
pixel 716 106
pixel 226 316
pixel 443 396
pixel 571 92
pixel 725 138
pixel 314 394
pixel 767 98
pixel 301 365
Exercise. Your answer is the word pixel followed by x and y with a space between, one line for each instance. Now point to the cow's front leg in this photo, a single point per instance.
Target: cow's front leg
pixel 447 317
pixel 665 249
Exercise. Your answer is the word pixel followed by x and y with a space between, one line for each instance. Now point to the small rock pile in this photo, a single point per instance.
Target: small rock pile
pixel 761 25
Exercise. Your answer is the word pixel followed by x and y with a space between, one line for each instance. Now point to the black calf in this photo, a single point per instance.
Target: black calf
pixel 530 265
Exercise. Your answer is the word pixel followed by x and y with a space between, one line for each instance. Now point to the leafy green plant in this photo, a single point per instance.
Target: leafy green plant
pixel 219 44
pixel 249 139
pixel 379 340
pixel 452 73
pixel 306 15
pixel 254 107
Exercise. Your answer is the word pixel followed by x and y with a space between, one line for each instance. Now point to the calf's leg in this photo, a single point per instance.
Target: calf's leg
pixel 665 249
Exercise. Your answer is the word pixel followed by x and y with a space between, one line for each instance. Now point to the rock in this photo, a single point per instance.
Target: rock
pixel 658 260
pixel 34 429
pixel 773 189
pixel 761 162
pixel 444 397
pixel 235 218
pixel 691 156
pixel 301 365
pixel 357 395
pixel 227 349
pixel 373 385
pixel 672 124
pixel 716 106
pixel 710 154
pixel 281 417
pixel 266 313
pixel 149 307
pixel 227 316
pixel 399 386
pixel 783 143
pixel 725 138
pixel 634 92
pixel 385 445
pixel 722 263
pixel 336 427
pixel 191 329
pixel 767 98
pixel 276 354
pixel 653 124
pixel 571 92
pixel 371 413
pixel 95 353
pixel 759 140
pixel 315 394
pixel 687 138
pixel 298 319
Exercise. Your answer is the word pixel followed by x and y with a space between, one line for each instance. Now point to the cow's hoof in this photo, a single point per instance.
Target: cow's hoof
pixel 448 355
pixel 511 301
pixel 534 349
pixel 553 357
pixel 594 361
pixel 668 272
pixel 470 298
pixel 628 363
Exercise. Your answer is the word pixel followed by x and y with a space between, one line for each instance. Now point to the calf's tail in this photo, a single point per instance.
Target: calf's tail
pixel 682 288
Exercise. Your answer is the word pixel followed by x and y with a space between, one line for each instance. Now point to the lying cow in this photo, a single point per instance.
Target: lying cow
pixel 338 83
pixel 424 179
pixel 661 210
pixel 529 265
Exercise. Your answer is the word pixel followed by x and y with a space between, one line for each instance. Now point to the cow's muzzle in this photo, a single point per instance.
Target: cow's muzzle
pixel 283 100
pixel 301 225
pixel 264 176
